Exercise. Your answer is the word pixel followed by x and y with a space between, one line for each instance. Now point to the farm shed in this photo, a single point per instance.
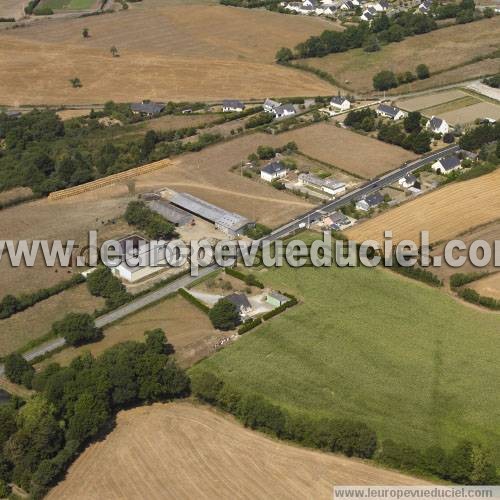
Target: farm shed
pixel 230 223
pixel 276 299
pixel 173 214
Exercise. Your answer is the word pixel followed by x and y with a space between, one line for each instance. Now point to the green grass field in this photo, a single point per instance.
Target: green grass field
pixel 407 359
pixel 69 4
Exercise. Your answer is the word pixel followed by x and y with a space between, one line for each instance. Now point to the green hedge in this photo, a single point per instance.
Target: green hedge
pixel 460 279
pixel 191 298
pixel 249 325
pixel 11 305
pixel 331 434
pixel 417 273
pixel 474 297
pixel 248 279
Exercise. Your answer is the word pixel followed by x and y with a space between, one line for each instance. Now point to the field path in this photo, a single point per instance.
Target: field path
pixel 237 193
pixel 182 451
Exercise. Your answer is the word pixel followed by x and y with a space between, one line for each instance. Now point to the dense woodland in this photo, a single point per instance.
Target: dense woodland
pixel 42 152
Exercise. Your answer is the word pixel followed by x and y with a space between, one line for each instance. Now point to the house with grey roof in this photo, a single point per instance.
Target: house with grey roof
pixel 269 105
pixel 232 106
pixel 273 171
pixel 340 103
pixel 284 111
pixel 391 112
pixel 407 181
pixel 147 108
pixel 370 201
pixel 447 165
pixel 437 125
pixel 240 300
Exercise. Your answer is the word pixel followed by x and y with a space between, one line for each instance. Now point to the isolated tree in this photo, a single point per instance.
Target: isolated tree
pixel 413 122
pixel 18 370
pixel 488 12
pixel 77 329
pixel 224 315
pixel 284 55
pixel 384 80
pixel 422 71
pixel 114 51
pixel 85 33
pixel 76 83
pixel 156 341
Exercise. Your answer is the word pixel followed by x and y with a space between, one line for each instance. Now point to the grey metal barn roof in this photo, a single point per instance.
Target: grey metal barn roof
pixel 170 212
pixel 212 213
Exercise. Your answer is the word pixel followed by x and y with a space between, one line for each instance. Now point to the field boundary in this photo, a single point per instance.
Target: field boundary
pixel 110 179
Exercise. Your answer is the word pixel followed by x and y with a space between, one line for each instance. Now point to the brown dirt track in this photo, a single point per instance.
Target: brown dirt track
pixel 445 212
pixel 181 451
pixel 168 53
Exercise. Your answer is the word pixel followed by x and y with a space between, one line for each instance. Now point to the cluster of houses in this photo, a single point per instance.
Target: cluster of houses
pixel 278 109
pixel 331 7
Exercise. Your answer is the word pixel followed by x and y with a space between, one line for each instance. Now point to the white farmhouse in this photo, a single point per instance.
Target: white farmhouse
pixel 284 111
pixel 390 112
pixel 437 125
pixel 329 186
pixel 273 171
pixel 232 106
pixel 270 105
pixel 340 103
pixel 447 165
pixel 407 181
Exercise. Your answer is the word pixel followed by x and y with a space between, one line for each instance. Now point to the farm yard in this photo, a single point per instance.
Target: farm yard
pixel 36 321
pixel 456 45
pixel 204 174
pixel 445 213
pixel 166 52
pixel 209 455
pixel 395 354
pixel 186 328
pixel 347 150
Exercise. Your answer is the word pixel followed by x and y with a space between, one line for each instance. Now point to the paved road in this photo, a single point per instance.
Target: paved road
pixel 282 232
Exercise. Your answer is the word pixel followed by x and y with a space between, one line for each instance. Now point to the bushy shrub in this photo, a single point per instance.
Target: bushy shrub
pixel 18 370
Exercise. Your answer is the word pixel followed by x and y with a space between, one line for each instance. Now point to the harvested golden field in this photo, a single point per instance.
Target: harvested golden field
pixel 469 114
pixel 455 45
pixel 445 213
pixel 11 8
pixel 204 174
pixel 488 286
pixel 428 100
pixel 166 52
pixel 172 451
pixel 36 321
pixel 348 150
pixel 186 327
pixel 488 232
pixel 14 194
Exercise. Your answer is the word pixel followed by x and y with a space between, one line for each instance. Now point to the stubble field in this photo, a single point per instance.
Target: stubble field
pixel 355 153
pixel 488 286
pixel 445 213
pixel 167 52
pixel 440 49
pixel 186 327
pixel 172 451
